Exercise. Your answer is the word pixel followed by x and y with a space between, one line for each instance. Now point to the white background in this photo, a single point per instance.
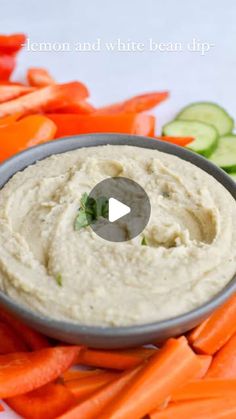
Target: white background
pixel 112 76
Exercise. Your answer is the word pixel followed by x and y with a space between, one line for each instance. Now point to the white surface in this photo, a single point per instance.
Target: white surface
pixel 112 76
pixel 117 210
pixel 115 75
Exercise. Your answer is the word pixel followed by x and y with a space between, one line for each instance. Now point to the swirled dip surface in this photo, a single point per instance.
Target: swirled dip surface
pixel 189 257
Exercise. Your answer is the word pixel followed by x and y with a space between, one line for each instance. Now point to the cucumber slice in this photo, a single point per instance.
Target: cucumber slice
pixel 233 176
pixel 225 154
pixel 206 136
pixel 209 113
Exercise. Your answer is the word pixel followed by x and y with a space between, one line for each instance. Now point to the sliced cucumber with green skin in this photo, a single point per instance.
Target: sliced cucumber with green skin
pixel 206 136
pixel 233 176
pixel 225 153
pixel 209 113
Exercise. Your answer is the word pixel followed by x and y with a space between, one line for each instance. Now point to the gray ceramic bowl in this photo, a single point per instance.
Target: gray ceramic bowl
pixel 108 337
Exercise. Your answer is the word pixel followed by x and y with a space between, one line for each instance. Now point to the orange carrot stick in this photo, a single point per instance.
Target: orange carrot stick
pixel 7 120
pixel 181 141
pixel 49 401
pixel 172 366
pixel 80 107
pixel 7 66
pixel 95 404
pixel 29 131
pixel 39 77
pixel 22 372
pixel 9 341
pixel 76 374
pixel 136 104
pixel 224 362
pixel 84 387
pixel 34 340
pixel 10 44
pixel 8 92
pixel 198 409
pixel 45 99
pixel 11 83
pixel 214 332
pixel 205 389
pixel 143 351
pixel 205 361
pixel 128 123
pixel 119 360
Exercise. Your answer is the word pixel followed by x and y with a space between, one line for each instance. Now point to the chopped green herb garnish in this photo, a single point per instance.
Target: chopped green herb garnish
pixel 144 241
pixel 83 200
pixel 82 220
pixel 102 207
pixel 90 210
pixel 166 194
pixel 59 279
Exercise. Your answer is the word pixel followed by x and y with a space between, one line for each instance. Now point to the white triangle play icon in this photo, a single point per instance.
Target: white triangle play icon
pixel 117 210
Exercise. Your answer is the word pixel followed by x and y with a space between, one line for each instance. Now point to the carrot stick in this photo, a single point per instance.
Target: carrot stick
pixel 84 387
pixel 214 332
pixel 205 361
pixel 143 351
pixel 22 372
pixel 119 360
pixel 49 401
pixel 45 99
pixel 9 341
pixel 7 120
pixel 10 44
pixel 80 107
pixel 181 141
pixel 28 132
pixel 94 406
pixel 34 340
pixel 11 83
pixel 76 374
pixel 172 366
pixel 128 123
pixel 8 92
pixel 7 66
pixel 39 77
pixel 224 362
pixel 198 409
pixel 206 388
pixel 136 104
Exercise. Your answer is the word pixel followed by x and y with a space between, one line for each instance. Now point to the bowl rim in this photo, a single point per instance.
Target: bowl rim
pixel 34 154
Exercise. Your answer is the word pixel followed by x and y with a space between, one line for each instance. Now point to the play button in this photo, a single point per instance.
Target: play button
pixel 123 209
pixel 117 210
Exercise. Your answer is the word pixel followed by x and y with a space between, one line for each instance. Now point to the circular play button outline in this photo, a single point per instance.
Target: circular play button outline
pixel 123 209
